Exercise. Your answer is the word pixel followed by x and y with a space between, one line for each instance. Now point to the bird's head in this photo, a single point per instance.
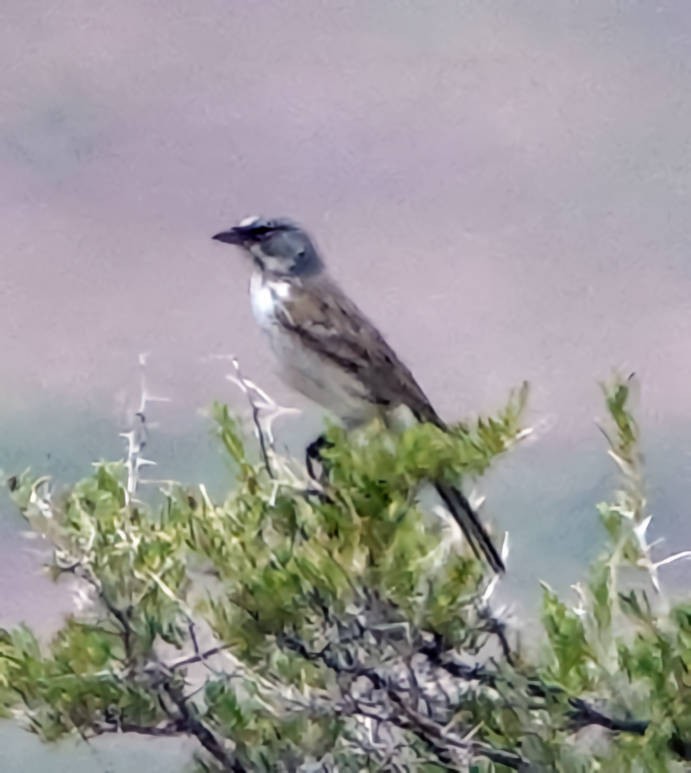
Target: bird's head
pixel 277 245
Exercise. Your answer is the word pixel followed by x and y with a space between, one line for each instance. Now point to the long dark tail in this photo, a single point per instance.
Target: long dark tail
pixel 456 503
pixel 474 531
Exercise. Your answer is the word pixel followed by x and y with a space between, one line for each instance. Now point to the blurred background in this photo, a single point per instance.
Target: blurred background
pixel 504 188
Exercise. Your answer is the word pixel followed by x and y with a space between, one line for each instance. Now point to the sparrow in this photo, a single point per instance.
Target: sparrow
pixel 329 351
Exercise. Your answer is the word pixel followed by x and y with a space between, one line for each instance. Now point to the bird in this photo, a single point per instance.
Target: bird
pixel 329 351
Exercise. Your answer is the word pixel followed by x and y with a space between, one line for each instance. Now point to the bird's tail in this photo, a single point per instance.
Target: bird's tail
pixel 474 531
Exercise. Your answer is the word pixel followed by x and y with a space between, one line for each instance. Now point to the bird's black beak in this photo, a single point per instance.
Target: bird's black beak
pixel 232 236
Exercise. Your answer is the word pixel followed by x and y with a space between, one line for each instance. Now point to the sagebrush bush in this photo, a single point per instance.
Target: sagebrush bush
pixel 298 626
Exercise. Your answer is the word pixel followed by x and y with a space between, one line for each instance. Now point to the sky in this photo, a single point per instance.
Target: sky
pixel 502 187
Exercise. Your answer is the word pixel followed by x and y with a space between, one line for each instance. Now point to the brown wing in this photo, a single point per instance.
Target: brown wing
pixel 328 322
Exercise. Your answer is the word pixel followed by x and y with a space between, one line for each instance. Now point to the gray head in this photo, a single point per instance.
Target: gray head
pixel 277 245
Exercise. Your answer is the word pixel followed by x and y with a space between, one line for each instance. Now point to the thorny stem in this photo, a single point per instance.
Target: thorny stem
pixel 254 407
pixel 581 714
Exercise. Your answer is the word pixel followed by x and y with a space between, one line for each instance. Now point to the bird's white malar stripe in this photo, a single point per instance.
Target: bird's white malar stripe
pixel 281 289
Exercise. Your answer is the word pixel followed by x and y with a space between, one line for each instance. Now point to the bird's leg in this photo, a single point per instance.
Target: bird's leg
pixel 313 454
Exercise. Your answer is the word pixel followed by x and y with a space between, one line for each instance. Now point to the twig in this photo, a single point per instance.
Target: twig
pixel 137 435
pixel 78 569
pixel 582 713
pixel 432 733
pixel 427 729
pixel 250 390
pixel 169 729
pixel 191 723
pixel 200 657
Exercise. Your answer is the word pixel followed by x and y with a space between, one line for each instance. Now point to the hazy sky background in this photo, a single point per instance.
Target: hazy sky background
pixel 504 187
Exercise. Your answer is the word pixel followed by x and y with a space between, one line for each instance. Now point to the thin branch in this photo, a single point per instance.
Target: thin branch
pixel 246 387
pixel 497 626
pixel 199 657
pixel 582 713
pixel 167 730
pixel 83 572
pixel 433 733
pixel 190 723
pixel 426 729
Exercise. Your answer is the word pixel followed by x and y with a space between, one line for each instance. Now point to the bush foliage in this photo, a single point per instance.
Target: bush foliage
pixel 295 626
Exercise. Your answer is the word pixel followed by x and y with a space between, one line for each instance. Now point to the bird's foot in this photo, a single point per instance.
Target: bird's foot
pixel 313 454
pixel 319 494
